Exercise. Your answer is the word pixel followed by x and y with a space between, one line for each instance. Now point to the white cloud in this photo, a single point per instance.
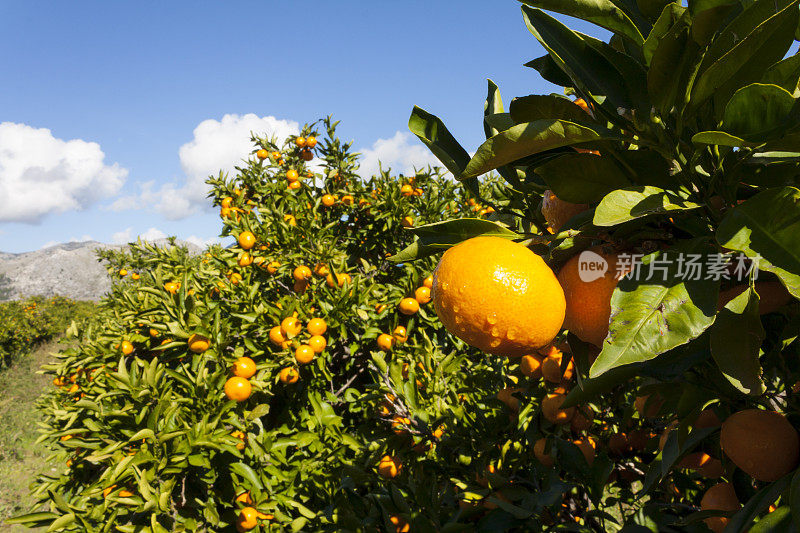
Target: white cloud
pixel 40 174
pixel 202 243
pixel 402 153
pixel 216 145
pixel 125 236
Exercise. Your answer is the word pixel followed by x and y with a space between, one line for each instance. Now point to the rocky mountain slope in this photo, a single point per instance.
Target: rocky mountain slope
pixel 69 269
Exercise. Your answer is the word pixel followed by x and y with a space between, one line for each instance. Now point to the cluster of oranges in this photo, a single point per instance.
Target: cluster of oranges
pixel 407 306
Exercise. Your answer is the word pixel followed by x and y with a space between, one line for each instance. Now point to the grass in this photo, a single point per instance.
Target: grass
pixel 20 458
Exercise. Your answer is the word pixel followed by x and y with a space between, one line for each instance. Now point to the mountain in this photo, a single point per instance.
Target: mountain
pixel 69 269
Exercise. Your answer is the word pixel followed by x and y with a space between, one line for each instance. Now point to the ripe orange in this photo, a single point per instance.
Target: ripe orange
pixel 400 334
pixel 245 259
pixel 400 524
pixel 385 342
pixel 300 141
pixel 557 212
pixel 317 343
pixel 300 286
pixel 328 200
pixel 227 201
pixel 317 326
pixel 340 280
pixel 772 296
pixel 498 296
pixel 720 497
pixel 648 406
pixel 321 269
pixel 301 273
pixel 762 443
pixel 294 185
pixel 407 222
pixel 311 142
pixel 289 219
pixel 587 445
pixel 304 354
pixel 247 240
pixel 276 336
pixel 408 306
pixel 135 276
pixel 237 389
pixel 531 365
pixel 539 452
pixel 171 287
pixel 389 467
pixel 291 327
pixel 288 375
pixel 588 303
pixel 292 175
pixel 198 343
pixel 422 295
pixel 306 155
pixel 244 498
pixel 126 348
pixel 551 409
pixel 244 367
pixel 407 190
pixel 506 396
pixel 272 266
pixel 262 154
pixel 276 155
pixel 123 272
pixel 428 281
pixel 347 199
pixel 247 519
pixel 240 445
pixel 582 420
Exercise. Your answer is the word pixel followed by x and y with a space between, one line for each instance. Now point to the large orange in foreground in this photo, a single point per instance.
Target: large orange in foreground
pixel 762 443
pixel 498 296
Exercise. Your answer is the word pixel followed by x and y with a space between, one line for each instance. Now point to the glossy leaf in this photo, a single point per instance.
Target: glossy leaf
pixel 758 111
pixel 437 237
pixel 604 13
pixel 582 178
pixel 435 135
pixel 634 202
pixel 539 106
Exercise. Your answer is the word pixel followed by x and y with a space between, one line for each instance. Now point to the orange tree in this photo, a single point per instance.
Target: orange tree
pixel 247 387
pixel 664 195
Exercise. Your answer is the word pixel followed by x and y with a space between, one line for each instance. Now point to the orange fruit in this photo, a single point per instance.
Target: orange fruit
pixel 244 367
pixel 389 467
pixel 762 443
pixel 531 365
pixel 227 201
pixel 272 266
pixel 317 326
pixel 244 498
pixel 539 451
pixel 289 219
pixel 276 336
pixel 135 276
pixel 407 222
pixel 292 175
pixel 294 185
pixel 291 327
pixel 648 405
pixel 171 287
pixel 247 240
pixel 328 200
pixel 245 259
pixel 237 389
pixel 407 190
pixel 242 437
pixel 428 281
pixel 557 212
pixel 618 444
pixel 551 368
pixel 422 295
pixel 304 354
pixel 300 141
pixel 551 409
pixel 123 272
pixel 198 343
pixel 400 524
pixel 288 375
pixel 720 497
pixel 707 419
pixel 247 519
pixel 262 154
pixel 408 306
pixel 587 446
pixel 276 155
pixel 347 199
pixel 498 296
pixel 400 334
pixel 506 396
pixel 306 155
pixel 588 303
pixel 302 273
pixel 317 343
pixel 126 348
pixel 340 280
pixel 582 420
pixel 385 342
pixel 580 102
pixel 311 142
pixel 321 269
pixel 772 296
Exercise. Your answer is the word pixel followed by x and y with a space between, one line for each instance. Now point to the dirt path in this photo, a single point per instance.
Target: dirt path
pixel 20 459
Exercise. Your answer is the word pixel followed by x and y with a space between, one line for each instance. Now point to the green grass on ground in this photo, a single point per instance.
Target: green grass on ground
pixel 20 459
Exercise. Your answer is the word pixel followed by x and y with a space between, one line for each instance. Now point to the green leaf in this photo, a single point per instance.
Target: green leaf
pixel 434 238
pixel 604 13
pixel 720 138
pixel 651 317
pixel 435 135
pixel 786 74
pixel 528 139
pixel 550 71
pixel 35 519
pixel 794 499
pixel 758 111
pixel 634 202
pixel 736 339
pixel 546 106
pixel 767 228
pixel 668 74
pixel 582 178
pixel 778 520
pixel 744 60
pixel 757 505
pixel 669 16
pixel 707 16
pixel 493 112
pixel 590 72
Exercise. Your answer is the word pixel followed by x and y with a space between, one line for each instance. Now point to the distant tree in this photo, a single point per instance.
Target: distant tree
pixel 5 287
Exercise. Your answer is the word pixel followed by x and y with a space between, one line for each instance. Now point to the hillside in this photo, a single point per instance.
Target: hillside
pixel 69 269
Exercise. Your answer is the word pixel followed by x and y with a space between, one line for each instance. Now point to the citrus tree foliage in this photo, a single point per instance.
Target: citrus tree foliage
pixel 685 141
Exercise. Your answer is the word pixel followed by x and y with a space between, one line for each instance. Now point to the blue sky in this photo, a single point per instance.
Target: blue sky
pixel 138 78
